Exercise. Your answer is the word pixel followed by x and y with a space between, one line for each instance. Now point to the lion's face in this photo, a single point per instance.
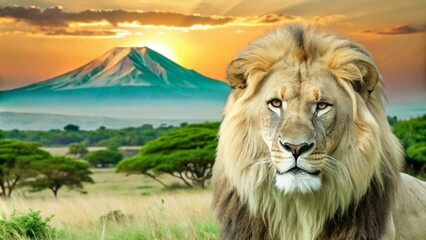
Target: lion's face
pixel 299 116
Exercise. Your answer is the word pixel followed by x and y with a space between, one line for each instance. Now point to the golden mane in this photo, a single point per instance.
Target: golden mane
pixel 355 203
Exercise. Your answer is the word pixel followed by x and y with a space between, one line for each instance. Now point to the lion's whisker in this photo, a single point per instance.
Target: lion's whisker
pixel 335 165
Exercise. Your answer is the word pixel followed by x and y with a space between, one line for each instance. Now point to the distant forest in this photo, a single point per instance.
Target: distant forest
pixel 131 136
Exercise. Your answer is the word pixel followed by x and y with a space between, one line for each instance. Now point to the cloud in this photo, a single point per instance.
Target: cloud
pixel 399 29
pixel 328 19
pixel 55 17
pixel 267 19
pixel 65 32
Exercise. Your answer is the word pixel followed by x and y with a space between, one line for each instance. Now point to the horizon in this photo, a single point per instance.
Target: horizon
pixel 60 38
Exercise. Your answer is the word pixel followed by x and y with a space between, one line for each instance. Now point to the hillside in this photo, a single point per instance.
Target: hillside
pixel 124 83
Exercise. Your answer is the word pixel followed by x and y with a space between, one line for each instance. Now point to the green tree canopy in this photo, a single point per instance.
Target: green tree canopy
pixel 78 149
pixel 103 158
pixel 187 153
pixel 147 127
pixel 71 128
pixel 131 136
pixel 417 152
pixel 15 162
pixel 112 144
pixel 411 131
pixel 56 172
pixel 412 134
pixel 392 120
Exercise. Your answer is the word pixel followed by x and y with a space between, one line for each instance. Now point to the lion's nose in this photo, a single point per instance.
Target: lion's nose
pixel 298 149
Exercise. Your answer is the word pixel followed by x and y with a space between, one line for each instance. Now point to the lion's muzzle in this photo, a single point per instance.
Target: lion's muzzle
pixel 297 149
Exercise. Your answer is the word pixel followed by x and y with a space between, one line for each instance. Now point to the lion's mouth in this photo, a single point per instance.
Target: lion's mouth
pixel 297 171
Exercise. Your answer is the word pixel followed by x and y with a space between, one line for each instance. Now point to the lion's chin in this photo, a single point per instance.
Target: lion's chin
pixel 300 182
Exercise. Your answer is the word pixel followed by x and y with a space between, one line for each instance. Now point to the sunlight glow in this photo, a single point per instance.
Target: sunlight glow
pixel 133 24
pixel 160 47
pixel 103 23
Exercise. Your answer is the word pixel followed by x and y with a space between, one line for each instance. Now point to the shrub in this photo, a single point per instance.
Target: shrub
pixel 115 216
pixel 26 224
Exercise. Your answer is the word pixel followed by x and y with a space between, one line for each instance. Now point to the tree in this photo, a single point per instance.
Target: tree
pixel 187 154
pixel 417 152
pixel 412 134
pixel 112 143
pixel 411 131
pixel 15 162
pixel 103 158
pixel 392 120
pixel 56 172
pixel 78 149
pixel 147 127
pixel 71 128
pixel 135 136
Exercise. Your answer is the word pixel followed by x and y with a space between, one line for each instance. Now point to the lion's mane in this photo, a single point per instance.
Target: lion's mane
pixel 353 204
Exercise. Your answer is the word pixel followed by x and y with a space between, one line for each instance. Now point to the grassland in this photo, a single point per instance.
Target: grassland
pixel 145 209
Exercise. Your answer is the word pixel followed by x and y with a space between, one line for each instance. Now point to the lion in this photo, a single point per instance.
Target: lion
pixel 305 150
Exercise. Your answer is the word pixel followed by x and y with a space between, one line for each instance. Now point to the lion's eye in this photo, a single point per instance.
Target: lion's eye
pixel 275 103
pixel 322 105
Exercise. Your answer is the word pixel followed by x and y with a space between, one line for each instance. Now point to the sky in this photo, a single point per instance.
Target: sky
pixel 41 39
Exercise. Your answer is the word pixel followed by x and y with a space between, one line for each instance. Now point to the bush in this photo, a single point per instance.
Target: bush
pixel 26 224
pixel 115 216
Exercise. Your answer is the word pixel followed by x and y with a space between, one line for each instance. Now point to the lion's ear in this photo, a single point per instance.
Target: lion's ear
pixel 370 76
pixel 235 74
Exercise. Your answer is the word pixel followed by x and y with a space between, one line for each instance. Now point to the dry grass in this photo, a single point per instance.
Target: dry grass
pixel 86 209
pixel 162 213
pixel 62 151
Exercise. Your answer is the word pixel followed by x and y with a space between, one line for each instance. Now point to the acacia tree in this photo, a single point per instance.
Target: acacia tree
pixel 57 172
pixel 103 158
pixel 15 162
pixel 187 153
pixel 78 149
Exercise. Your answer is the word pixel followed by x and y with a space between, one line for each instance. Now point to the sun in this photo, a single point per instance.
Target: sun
pixel 161 48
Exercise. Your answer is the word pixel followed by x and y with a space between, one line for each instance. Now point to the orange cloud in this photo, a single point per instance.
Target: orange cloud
pixel 55 21
pixel 56 17
pixel 399 29
pixel 327 19
pixel 65 32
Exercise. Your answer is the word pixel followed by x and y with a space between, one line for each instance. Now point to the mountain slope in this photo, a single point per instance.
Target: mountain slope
pixel 127 67
pixel 121 78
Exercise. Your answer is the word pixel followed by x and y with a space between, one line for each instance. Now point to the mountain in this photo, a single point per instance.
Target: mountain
pixel 135 67
pixel 125 83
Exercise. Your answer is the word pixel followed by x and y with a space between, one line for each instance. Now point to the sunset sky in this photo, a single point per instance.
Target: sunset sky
pixel 42 39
